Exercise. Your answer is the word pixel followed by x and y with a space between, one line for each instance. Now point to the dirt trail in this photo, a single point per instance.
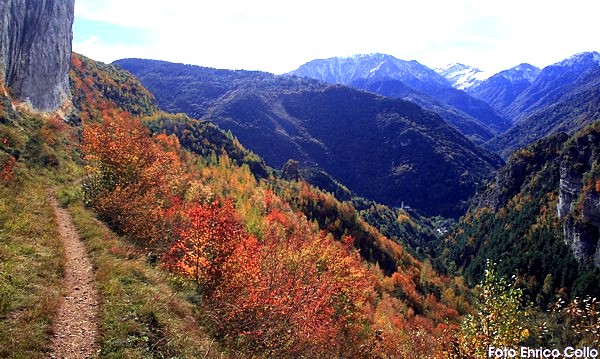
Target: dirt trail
pixel 75 325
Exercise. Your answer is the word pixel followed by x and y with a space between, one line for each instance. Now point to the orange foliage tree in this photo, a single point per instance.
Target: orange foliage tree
pixel 132 180
pixel 299 293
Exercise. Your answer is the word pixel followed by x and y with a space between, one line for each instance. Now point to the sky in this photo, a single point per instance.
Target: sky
pixel 278 36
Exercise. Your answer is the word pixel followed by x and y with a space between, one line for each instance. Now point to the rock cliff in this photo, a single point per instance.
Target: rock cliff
pixel 556 165
pixel 35 51
pixel 579 197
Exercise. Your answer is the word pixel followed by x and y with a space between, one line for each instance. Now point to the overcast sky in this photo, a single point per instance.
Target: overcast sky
pixel 278 36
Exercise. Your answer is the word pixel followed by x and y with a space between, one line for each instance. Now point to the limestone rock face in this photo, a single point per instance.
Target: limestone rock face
pixel 35 51
pixel 579 206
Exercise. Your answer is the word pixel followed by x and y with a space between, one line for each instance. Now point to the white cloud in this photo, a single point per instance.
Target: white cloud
pixel 278 36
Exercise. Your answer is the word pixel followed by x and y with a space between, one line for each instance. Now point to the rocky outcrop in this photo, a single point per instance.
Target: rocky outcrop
pixel 581 213
pixel 579 199
pixel 291 171
pixel 569 164
pixel 35 51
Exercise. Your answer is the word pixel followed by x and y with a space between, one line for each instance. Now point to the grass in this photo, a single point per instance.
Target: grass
pixel 31 270
pixel 142 315
pixel 31 251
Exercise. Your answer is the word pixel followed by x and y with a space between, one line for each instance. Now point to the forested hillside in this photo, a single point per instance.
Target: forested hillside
pixel 133 176
pixel 519 221
pixel 390 151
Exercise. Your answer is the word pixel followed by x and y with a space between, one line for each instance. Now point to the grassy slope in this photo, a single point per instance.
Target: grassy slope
pixel 31 253
pixel 31 268
pixel 143 312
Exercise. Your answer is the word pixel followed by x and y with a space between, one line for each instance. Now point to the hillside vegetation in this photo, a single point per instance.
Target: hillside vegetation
pixel 269 281
pixel 200 250
pixel 515 221
pixel 390 151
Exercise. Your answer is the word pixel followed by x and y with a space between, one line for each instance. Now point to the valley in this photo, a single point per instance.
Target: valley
pixel 362 206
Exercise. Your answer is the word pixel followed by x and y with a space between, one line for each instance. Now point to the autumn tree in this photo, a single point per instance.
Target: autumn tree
pixel 294 292
pixel 501 317
pixel 7 166
pixel 207 240
pixel 132 179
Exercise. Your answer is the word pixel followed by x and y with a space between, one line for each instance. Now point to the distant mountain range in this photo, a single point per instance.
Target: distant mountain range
pixel 578 106
pixel 501 89
pixel 552 84
pixel 502 112
pixel 385 149
pixel 562 97
pixel 410 80
pixel 345 70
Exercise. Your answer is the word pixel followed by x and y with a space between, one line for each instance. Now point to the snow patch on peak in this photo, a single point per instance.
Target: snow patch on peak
pixel 583 57
pixel 521 72
pixel 462 76
pixel 376 68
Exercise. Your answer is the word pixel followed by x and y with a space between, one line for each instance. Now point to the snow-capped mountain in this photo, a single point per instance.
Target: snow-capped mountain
pixel 462 76
pixel 412 81
pixel 522 72
pixel 582 59
pixel 345 70
pixel 552 83
pixel 503 88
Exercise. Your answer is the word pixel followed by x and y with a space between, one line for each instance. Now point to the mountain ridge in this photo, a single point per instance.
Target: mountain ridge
pixel 373 68
pixel 501 89
pixel 461 76
pixel 344 70
pixel 577 107
pixel 552 83
pixel 283 118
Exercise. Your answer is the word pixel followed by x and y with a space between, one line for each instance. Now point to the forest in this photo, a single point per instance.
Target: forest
pixel 272 267
pixel 281 268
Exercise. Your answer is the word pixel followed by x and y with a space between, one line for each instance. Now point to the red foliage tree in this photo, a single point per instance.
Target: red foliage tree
pixel 7 169
pixel 208 238
pixel 296 292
